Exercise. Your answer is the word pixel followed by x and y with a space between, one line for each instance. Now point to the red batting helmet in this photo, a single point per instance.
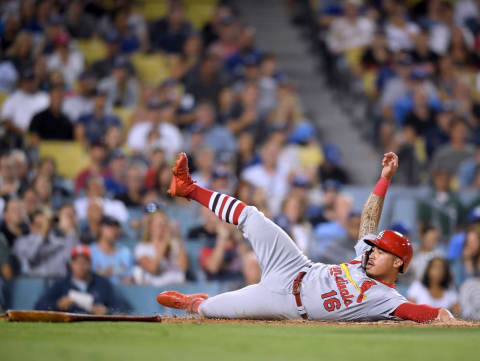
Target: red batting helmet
pixel 394 243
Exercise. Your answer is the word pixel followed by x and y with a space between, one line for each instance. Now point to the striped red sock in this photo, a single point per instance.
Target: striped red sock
pixel 225 207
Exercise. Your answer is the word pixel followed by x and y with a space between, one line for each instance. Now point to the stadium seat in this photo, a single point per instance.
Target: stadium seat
pixel 125 115
pixel 26 292
pixel 92 49
pixel 70 157
pixel 3 96
pixel 152 68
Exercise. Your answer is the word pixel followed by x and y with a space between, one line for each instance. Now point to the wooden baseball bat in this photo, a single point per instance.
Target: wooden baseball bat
pixel 53 316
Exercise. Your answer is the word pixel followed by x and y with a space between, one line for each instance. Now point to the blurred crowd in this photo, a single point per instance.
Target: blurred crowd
pixel 131 88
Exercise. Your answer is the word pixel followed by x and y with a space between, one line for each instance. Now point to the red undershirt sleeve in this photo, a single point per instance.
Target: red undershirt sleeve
pixel 418 313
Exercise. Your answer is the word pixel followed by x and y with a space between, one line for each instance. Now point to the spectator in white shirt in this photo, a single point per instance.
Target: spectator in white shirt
pixel 80 102
pixel 434 289
pixel 69 62
pixel 400 32
pixel 160 131
pixel 20 107
pixel 96 193
pixel 350 31
pixel 269 175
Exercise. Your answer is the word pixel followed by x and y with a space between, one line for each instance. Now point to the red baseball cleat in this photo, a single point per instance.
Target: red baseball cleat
pixel 174 299
pixel 182 184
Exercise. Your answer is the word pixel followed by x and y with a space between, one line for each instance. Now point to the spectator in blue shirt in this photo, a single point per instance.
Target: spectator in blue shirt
pixel 92 127
pixel 81 292
pixel 108 259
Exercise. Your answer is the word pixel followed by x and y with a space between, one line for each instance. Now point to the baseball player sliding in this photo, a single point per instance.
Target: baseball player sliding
pixel 291 286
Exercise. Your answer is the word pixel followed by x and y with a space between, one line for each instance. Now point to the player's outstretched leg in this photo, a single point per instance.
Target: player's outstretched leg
pixel 225 207
pixel 174 299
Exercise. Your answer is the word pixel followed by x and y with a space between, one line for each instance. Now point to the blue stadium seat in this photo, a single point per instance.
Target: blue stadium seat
pixel 26 292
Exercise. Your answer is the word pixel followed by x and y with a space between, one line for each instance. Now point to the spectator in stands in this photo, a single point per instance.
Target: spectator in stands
pixel 62 188
pixel 429 248
pixel 96 191
pixel 441 208
pixel 80 102
pixel 129 42
pixel 457 150
pixel 30 201
pixel 47 201
pixel 98 154
pixel 103 67
pixel 6 268
pixel 350 31
pixel 269 175
pixel 13 224
pixel 293 220
pixel 245 152
pixel 81 292
pixel 160 257
pixel 79 24
pixel 440 134
pixel 468 264
pixel 90 227
pixel 69 62
pixel 115 181
pixel 11 29
pixel 108 259
pixel 468 169
pixel 158 130
pixel 188 59
pixel 435 289
pixel 52 123
pixel 211 30
pixel 92 127
pixel 46 250
pixel 157 162
pixel 244 115
pixel 400 31
pixel 224 256
pixel 204 160
pixel 207 80
pixel 470 299
pixel 331 168
pixel 216 137
pixel 170 33
pixel 21 52
pixel 337 249
pixel 20 107
pixel 121 87
pixel 21 169
pixel 413 159
pixel 135 186
pixel 9 184
pixel 227 43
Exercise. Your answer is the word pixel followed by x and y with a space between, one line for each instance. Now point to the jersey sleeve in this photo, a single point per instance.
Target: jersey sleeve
pixel 418 313
pixel 361 247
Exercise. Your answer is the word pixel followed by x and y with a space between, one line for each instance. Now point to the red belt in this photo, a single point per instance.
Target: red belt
pixel 297 285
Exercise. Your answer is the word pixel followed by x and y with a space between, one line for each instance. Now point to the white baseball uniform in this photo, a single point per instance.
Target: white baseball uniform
pixel 328 292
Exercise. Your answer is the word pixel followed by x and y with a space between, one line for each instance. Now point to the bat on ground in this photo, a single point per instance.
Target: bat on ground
pixel 53 316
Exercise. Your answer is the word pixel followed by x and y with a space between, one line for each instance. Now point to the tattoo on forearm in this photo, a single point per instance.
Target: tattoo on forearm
pixel 372 210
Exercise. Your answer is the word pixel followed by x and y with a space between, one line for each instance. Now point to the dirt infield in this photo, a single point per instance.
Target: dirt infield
pixel 199 321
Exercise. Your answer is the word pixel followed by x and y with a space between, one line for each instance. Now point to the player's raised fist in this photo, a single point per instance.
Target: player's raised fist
pixel 390 165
